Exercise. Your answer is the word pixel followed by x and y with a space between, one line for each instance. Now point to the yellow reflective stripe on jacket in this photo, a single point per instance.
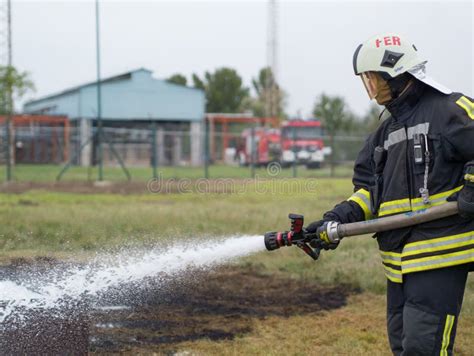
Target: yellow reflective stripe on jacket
pixel 438 244
pixel 394 206
pixel 394 254
pixel 428 254
pixel 431 256
pixel 448 327
pixel 394 259
pixel 393 275
pixel 467 105
pixel 469 177
pixel 362 198
pixel 440 261
pixel 435 199
pixel 404 205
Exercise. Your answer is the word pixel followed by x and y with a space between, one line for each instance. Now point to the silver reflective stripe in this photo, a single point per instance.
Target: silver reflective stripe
pixel 395 207
pixel 401 135
pixel 441 260
pixel 385 258
pixel 432 201
pixel 439 244
pixel 435 199
pixel 418 129
pixel 393 274
pixel 363 198
pixel 395 137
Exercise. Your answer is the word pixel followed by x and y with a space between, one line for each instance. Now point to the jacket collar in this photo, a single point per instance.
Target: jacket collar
pixel 406 102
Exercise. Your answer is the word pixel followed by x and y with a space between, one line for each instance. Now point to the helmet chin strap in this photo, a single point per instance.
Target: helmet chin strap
pixel 398 84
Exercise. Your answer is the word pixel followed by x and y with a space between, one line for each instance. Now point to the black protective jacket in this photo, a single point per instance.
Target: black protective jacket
pixel 416 160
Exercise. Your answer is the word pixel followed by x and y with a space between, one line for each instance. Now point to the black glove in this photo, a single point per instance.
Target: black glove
pixel 313 228
pixel 466 195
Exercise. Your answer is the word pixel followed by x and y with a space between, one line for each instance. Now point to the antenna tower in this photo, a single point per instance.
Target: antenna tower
pixel 7 100
pixel 271 97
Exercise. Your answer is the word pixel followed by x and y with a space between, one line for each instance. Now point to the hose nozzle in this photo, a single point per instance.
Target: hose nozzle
pixel 274 240
pixel 270 239
pixel 297 236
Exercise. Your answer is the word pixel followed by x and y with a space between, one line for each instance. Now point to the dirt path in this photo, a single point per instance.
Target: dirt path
pixel 76 187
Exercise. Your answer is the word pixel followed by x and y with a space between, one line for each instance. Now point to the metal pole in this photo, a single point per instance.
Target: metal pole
pixel 295 173
pixel 119 159
pixel 74 157
pixel 206 148
pixel 154 158
pixel 99 95
pixel 9 106
pixel 252 151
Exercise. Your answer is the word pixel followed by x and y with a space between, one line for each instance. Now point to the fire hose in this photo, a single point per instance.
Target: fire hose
pixel 333 231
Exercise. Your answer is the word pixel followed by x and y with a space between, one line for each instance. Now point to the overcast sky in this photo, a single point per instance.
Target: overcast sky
pixel 55 41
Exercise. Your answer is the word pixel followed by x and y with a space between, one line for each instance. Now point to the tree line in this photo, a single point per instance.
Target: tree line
pixel 226 93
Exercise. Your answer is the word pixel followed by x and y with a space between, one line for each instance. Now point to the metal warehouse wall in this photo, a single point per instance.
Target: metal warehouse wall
pixel 133 95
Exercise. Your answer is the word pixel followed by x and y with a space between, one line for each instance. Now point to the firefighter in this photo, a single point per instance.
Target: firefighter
pixel 421 156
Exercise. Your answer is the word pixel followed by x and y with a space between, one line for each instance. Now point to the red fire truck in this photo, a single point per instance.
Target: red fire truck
pixel 298 141
pixel 302 141
pixel 266 143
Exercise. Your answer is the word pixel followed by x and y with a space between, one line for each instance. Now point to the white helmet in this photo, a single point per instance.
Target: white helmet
pixel 392 54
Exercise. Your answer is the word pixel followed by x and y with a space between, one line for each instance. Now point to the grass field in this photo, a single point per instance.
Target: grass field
pixel 71 225
pixel 48 173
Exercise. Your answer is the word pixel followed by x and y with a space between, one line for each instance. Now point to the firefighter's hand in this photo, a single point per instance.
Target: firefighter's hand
pixel 313 228
pixel 466 195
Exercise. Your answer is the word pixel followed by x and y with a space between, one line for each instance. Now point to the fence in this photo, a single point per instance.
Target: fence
pixel 173 153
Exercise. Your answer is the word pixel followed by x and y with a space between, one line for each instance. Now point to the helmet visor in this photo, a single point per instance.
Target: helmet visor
pixel 370 83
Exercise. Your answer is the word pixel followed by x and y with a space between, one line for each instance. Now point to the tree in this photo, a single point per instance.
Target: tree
pixel 198 83
pixel 177 79
pixel 19 83
pixel 270 99
pixel 335 116
pixel 13 85
pixel 224 90
pixel 253 105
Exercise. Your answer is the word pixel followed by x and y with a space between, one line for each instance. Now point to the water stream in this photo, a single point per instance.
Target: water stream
pixel 71 283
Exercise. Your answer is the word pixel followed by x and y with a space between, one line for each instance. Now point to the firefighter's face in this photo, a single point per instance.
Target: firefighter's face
pixel 377 88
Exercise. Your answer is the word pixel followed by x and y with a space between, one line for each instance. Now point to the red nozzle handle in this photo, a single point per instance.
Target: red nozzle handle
pixel 297 222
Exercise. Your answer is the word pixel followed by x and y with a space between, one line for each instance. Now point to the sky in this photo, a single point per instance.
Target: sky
pixel 55 41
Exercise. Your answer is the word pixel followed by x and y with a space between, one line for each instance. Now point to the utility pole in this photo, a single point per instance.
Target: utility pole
pixel 99 135
pixel 271 90
pixel 9 96
pixel 99 95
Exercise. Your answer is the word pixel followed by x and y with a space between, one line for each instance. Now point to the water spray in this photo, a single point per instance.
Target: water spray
pixel 122 271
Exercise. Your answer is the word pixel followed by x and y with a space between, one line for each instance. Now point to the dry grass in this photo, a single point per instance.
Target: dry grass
pixel 65 225
pixel 49 221
pixel 49 173
pixel 357 329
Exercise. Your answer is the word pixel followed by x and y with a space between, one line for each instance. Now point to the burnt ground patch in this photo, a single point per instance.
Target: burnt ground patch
pixel 163 312
pixel 60 331
pixel 216 306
